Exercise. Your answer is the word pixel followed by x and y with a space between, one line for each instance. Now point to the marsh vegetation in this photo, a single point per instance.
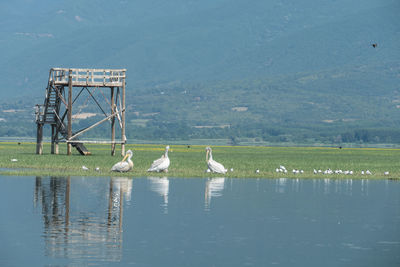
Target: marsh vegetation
pixel 190 161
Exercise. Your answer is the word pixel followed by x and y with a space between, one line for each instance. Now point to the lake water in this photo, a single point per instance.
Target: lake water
pixel 96 221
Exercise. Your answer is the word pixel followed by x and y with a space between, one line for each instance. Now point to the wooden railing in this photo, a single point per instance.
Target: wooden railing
pixel 88 77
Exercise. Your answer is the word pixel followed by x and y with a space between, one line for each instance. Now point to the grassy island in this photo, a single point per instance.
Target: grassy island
pixel 189 161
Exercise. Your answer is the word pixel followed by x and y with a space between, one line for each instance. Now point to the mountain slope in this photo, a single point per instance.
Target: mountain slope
pixel 178 40
pixel 267 69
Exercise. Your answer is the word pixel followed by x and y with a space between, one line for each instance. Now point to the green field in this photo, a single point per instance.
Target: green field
pixel 189 161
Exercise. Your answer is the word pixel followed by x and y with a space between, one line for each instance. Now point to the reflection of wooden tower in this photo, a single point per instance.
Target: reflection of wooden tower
pixel 73 230
pixel 61 121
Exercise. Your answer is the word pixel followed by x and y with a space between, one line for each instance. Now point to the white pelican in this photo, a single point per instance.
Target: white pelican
pixel 212 164
pixel 161 164
pixel 124 166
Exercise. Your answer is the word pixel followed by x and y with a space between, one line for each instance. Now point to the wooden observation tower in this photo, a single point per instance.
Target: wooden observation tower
pixel 63 89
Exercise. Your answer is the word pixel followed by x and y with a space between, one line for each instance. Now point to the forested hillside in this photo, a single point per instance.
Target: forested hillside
pixel 329 107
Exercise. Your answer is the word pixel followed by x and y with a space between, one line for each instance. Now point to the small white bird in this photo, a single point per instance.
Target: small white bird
pixel 124 166
pixel 231 169
pixel 14 160
pixel 368 172
pixel 386 173
pixel 161 164
pixel 85 168
pixel 257 171
pixel 97 169
pixel 212 164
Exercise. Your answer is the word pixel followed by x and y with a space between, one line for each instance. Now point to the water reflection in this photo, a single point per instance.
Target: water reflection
pixel 82 221
pixel 281 185
pixel 326 186
pixel 79 228
pixel 161 187
pixel 214 188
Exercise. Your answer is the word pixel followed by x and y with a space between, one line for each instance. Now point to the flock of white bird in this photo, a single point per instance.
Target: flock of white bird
pixel 159 165
pixel 162 164
pixel 327 171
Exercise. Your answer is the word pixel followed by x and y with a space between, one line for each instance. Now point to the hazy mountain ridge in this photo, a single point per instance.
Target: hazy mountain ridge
pixel 219 41
pixel 284 64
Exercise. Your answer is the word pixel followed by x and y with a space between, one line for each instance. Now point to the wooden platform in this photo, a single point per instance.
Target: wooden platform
pixel 57 107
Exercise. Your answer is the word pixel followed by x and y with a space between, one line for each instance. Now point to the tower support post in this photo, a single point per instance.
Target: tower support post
pixel 112 122
pixel 123 137
pixel 69 114
pixel 53 138
pixel 39 139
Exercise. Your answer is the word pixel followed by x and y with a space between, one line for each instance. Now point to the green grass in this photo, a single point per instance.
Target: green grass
pixel 190 161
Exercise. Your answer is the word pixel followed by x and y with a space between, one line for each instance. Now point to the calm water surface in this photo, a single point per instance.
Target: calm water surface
pixel 75 221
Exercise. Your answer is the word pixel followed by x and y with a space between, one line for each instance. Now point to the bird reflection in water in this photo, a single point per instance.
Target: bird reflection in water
pixel 341 186
pixel 214 188
pixel 281 184
pixel 161 187
pixel 80 223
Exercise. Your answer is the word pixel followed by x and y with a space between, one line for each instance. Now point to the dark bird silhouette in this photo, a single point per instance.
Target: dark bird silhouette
pixel 374 45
